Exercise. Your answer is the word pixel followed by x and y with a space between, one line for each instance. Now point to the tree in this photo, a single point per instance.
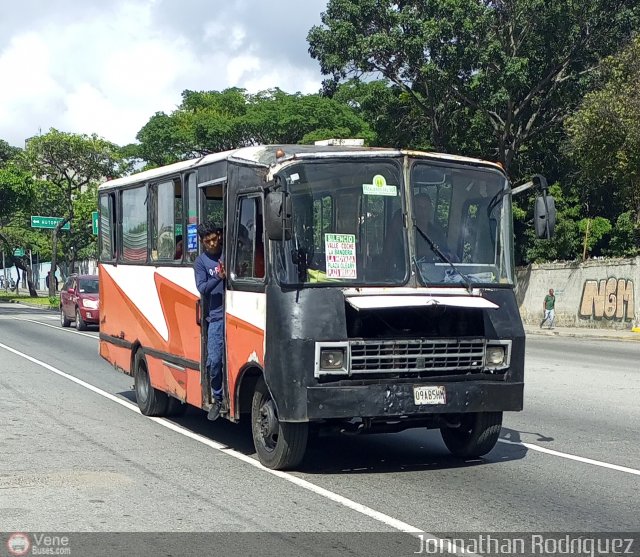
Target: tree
pixel 212 121
pixel 70 164
pixel 16 197
pixel 514 67
pixel 7 152
pixel 389 111
pixel 604 140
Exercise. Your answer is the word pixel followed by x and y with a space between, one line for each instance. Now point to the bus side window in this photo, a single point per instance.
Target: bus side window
pixel 249 245
pixel 165 200
pixel 107 227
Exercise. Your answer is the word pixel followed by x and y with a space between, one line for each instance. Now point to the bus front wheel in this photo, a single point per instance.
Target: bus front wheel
pixel 476 435
pixel 280 445
pixel 151 402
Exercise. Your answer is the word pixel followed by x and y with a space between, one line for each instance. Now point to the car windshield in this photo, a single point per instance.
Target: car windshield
pixel 465 213
pixel 88 286
pixel 344 223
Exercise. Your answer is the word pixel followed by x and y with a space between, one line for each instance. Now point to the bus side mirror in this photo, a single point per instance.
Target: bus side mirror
pixel 278 215
pixel 545 216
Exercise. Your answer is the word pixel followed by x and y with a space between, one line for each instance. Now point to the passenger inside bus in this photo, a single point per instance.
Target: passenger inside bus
pixel 179 247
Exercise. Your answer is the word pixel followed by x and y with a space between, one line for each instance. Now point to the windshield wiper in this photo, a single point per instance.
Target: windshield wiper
pixel 465 279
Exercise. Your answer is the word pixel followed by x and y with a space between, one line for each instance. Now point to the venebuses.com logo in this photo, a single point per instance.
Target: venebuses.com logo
pixel 18 544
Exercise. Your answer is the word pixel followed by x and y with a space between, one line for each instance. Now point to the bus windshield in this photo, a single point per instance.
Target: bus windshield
pixel 343 233
pixel 465 213
pixel 350 225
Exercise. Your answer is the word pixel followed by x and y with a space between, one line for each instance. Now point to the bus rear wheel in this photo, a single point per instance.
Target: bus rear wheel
pixel 477 434
pixel 151 402
pixel 280 445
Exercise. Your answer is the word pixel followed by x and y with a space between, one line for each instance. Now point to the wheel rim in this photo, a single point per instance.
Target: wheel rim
pixel 77 318
pixel 62 319
pixel 268 425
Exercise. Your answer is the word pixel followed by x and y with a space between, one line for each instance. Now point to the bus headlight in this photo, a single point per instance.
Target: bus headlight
pixel 495 355
pixel 498 354
pixel 332 358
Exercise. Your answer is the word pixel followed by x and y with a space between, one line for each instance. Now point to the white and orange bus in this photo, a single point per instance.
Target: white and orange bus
pixel 367 290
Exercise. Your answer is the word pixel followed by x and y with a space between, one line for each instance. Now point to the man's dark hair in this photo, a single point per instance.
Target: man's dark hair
pixel 206 228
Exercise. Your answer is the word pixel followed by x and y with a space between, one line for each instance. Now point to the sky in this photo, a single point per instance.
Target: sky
pixel 106 66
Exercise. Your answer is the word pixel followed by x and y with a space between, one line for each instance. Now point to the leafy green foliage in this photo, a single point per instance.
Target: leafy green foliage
pixel 7 152
pixel 70 167
pixel 491 77
pixel 625 239
pixel 604 139
pixel 212 121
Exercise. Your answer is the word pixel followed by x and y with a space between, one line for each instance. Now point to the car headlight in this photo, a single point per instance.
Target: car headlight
pixel 495 355
pixel 332 358
pixel 90 304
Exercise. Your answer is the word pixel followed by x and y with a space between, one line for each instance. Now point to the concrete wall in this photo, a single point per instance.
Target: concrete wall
pixel 599 293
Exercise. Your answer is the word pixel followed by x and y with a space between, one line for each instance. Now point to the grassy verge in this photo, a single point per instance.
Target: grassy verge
pixel 42 301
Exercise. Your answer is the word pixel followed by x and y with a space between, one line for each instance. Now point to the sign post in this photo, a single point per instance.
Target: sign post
pixel 48 222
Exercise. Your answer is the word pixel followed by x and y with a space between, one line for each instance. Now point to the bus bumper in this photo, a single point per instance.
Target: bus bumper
pixel 382 400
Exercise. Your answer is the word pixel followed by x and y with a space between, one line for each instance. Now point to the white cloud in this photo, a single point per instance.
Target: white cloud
pixel 107 68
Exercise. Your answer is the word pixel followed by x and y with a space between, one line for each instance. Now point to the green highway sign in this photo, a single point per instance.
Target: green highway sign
pixel 47 222
pixel 94 222
pixel 18 252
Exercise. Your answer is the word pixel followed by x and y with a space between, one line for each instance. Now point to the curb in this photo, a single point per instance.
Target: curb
pixel 594 336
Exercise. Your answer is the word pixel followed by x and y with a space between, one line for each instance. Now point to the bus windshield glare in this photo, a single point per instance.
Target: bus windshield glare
pixel 351 225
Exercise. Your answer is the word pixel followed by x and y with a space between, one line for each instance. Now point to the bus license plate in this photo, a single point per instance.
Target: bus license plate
pixel 429 395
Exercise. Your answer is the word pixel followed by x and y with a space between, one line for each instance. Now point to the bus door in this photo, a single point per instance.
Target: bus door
pixel 245 301
pixel 211 209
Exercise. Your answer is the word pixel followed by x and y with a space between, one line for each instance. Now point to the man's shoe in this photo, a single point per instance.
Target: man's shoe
pixel 214 411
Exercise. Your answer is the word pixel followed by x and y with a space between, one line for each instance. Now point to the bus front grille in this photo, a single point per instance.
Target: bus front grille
pixel 417 356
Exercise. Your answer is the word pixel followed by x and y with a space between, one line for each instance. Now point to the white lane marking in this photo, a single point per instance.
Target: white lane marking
pixel 344 501
pixel 568 456
pixel 56 327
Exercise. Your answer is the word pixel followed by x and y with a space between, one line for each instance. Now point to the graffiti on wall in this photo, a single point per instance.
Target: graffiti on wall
pixel 610 298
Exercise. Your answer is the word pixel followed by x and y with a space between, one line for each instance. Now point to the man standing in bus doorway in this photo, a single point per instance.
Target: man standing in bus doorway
pixel 210 275
pixel 549 309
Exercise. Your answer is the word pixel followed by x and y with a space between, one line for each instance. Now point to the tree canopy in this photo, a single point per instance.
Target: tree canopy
pixel 69 165
pixel 604 137
pixel 213 121
pixel 511 67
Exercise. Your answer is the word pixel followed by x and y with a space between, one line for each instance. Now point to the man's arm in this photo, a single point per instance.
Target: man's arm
pixel 204 282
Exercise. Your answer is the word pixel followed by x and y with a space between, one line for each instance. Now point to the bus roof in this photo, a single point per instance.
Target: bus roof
pixel 265 155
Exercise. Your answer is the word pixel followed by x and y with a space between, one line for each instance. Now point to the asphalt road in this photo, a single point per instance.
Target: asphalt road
pixel 76 456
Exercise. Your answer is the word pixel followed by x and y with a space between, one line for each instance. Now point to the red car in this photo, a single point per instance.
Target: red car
pixel 79 301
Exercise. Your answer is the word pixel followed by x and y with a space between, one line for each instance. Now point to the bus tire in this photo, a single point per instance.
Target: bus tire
pixel 279 445
pixel 151 402
pixel 477 435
